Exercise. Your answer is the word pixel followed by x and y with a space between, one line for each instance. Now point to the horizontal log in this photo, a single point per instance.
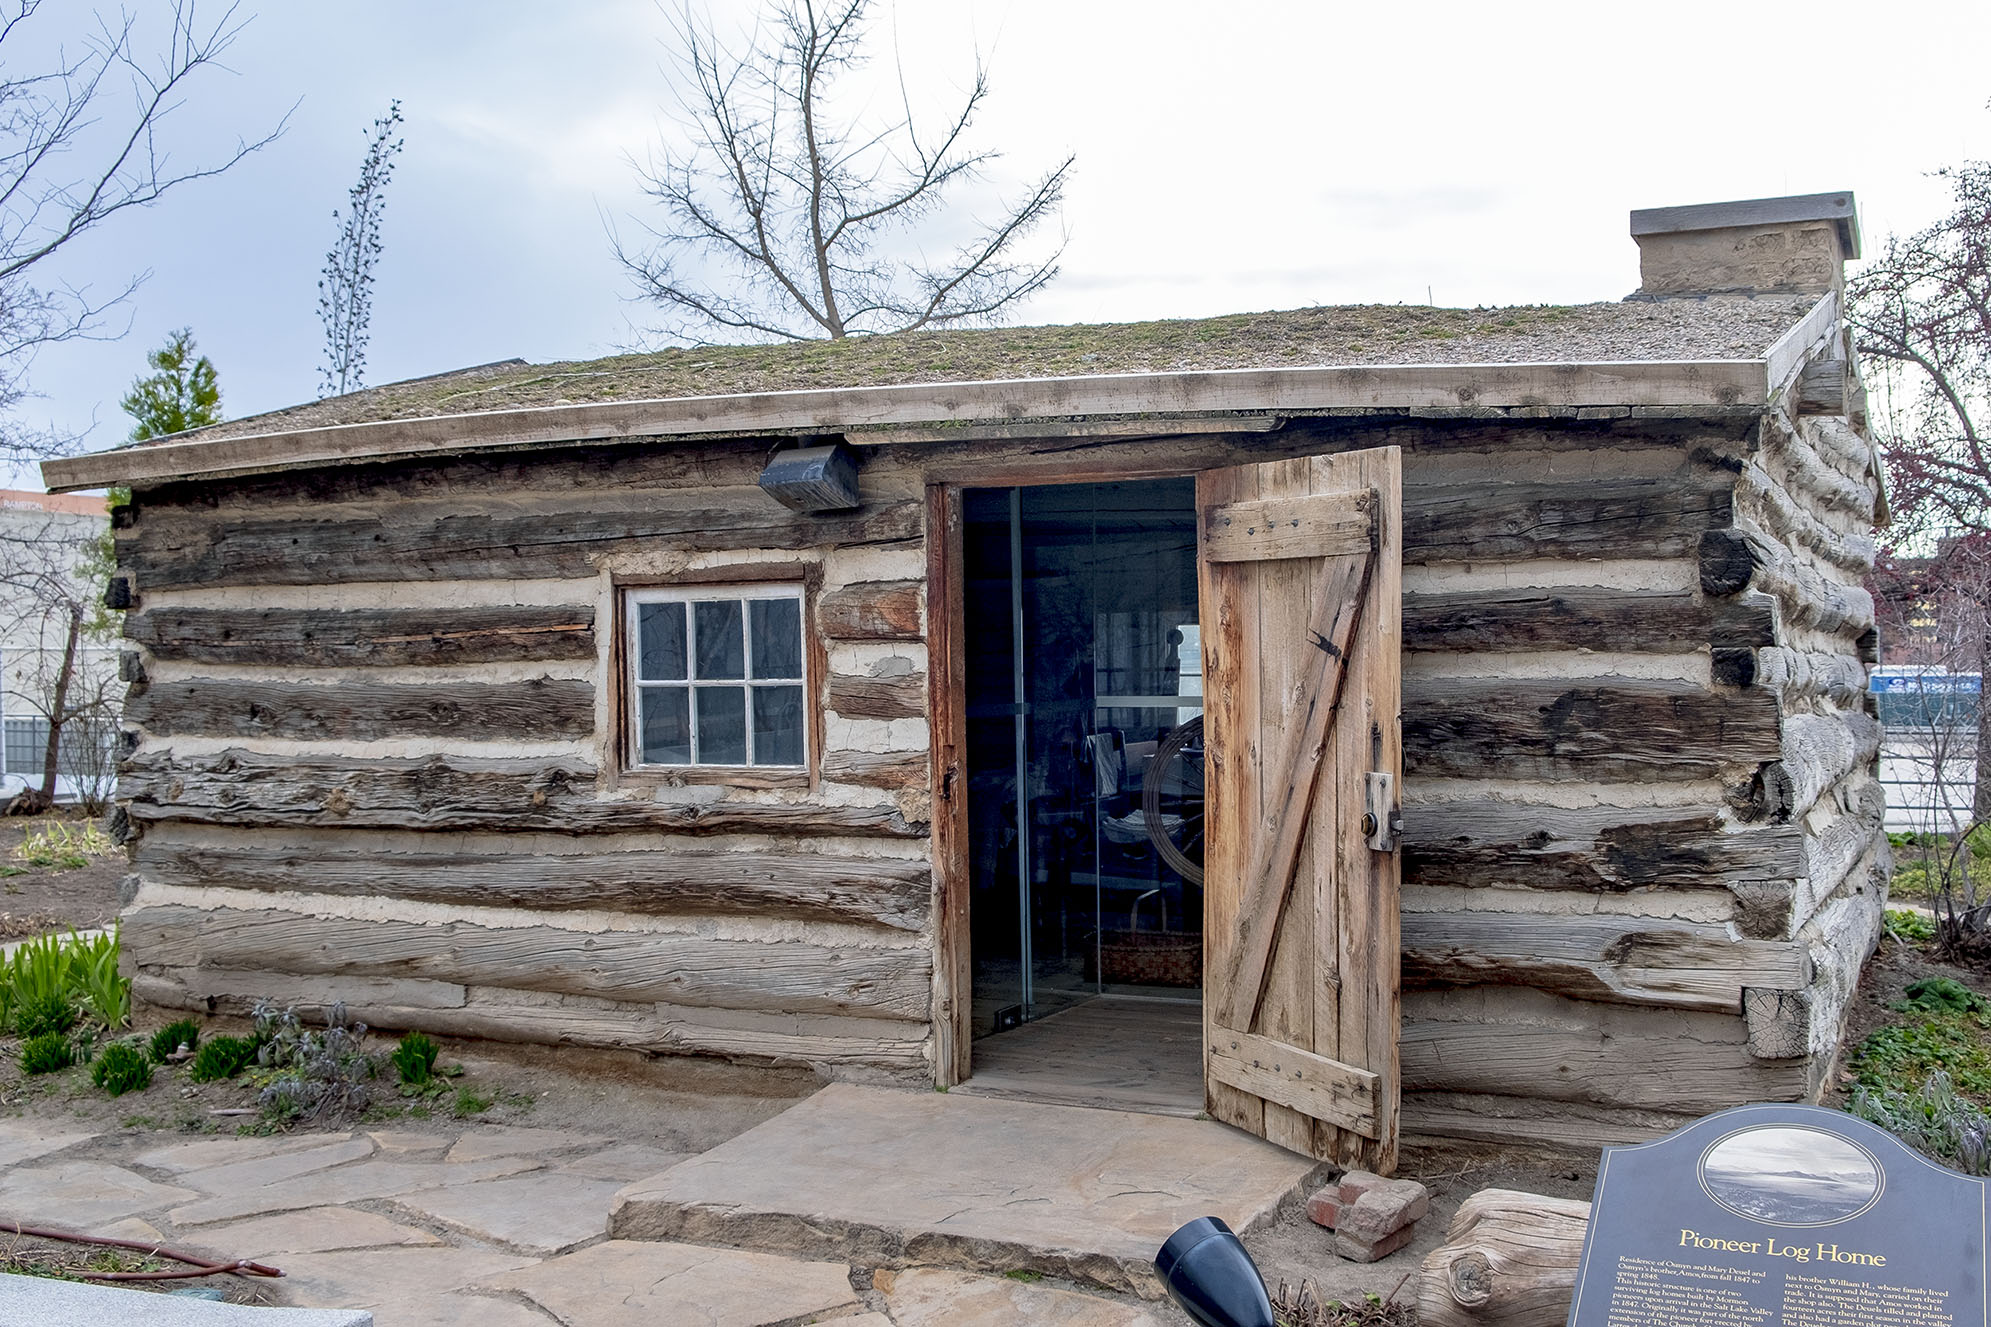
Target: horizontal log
pixel 1509 1259
pixel 1578 618
pixel 879 697
pixel 1821 388
pixel 1850 551
pixel 1563 1125
pixel 249 789
pixel 465 479
pixel 311 997
pixel 1734 560
pixel 539 708
pixel 1834 851
pixel 801 885
pixel 1795 675
pixel 550 539
pixel 893 770
pixel 1620 960
pixel 1516 1042
pixel 1816 481
pixel 1821 749
pixel 1843 446
pixel 691 971
pixel 873 610
pixel 1493 841
pixel 1582 728
pixel 326 638
pixel 498 1014
pixel 1663 516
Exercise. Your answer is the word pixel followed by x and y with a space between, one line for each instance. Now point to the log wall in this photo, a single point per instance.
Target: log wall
pixel 369 761
pixel 1641 852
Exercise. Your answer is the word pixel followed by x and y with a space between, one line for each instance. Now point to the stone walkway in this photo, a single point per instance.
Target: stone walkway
pixel 484 1226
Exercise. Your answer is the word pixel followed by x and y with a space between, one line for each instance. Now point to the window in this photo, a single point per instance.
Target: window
pixel 716 677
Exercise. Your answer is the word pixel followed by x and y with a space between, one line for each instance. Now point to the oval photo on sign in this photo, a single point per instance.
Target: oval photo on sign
pixel 1791 1176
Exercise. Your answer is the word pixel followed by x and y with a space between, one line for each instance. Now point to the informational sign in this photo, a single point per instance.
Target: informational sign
pixel 1949 684
pixel 1781 1216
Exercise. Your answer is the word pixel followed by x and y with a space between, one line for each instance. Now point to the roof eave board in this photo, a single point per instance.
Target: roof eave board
pixel 1721 386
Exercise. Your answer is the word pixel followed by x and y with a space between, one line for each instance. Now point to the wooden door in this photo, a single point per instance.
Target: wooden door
pixel 1300 572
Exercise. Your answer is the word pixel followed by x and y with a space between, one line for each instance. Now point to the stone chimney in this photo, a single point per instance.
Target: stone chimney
pixel 1764 246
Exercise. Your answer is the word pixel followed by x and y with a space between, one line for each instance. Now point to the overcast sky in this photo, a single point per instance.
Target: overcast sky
pixel 1243 157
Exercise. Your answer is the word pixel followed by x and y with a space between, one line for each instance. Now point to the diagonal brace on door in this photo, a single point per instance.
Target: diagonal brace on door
pixel 1268 883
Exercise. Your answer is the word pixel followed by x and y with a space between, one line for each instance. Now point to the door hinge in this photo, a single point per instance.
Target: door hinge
pixel 1382 822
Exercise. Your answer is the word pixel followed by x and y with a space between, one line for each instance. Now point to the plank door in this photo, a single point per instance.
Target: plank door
pixel 1300 573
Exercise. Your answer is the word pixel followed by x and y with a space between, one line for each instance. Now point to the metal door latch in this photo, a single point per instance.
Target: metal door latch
pixel 1381 820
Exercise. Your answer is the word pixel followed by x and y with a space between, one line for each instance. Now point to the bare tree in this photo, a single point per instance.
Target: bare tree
pixel 803 210
pixel 60 654
pixel 1932 609
pixel 345 289
pixel 81 142
pixel 1922 313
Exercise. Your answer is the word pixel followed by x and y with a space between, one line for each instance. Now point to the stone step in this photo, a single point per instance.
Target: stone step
pixel 897 1178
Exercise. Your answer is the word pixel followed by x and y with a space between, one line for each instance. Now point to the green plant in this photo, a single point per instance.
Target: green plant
pixel 46 1053
pixel 64 845
pixel 39 967
pixel 121 1068
pixel 1934 1120
pixel 221 1057
pixel 415 1059
pixel 1945 995
pixel 469 1101
pixel 41 1014
pixel 169 1039
pixel 1894 1057
pixel 93 973
pixel 1910 926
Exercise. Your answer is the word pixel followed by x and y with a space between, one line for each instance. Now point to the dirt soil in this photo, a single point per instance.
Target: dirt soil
pixel 677 1104
pixel 1293 1251
pixel 36 899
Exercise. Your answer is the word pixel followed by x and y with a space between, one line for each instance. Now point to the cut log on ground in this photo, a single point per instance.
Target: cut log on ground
pixel 1510 1258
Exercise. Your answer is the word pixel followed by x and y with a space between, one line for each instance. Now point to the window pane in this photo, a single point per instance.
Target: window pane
pixel 777 637
pixel 722 723
pixel 721 650
pixel 660 654
pixel 777 725
pixel 666 729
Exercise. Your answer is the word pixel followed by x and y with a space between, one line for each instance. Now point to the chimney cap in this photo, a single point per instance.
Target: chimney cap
pixel 1837 207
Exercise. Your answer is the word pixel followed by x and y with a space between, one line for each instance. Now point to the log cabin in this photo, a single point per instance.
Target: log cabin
pixel 1412 721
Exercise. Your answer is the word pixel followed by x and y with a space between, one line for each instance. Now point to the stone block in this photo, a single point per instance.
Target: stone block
pixel 1356 1183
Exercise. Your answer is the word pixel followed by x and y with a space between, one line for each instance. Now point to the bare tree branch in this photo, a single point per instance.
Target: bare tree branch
pixel 72 158
pixel 806 214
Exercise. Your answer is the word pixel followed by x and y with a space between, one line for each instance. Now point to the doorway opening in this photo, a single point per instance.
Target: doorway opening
pixel 1085 793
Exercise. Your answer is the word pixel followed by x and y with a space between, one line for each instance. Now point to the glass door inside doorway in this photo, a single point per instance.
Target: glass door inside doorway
pixel 1085 752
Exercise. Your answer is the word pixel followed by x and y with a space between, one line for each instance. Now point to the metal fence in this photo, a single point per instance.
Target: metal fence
pixel 1928 749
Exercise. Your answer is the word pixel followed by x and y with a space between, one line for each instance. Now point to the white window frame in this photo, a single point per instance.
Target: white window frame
pixel 743 593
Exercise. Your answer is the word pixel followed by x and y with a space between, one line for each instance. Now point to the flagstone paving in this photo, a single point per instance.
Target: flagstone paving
pixel 491 1226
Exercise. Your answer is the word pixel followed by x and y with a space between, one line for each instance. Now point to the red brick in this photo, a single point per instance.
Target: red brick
pixel 1356 1183
pixel 1325 1206
pixel 1385 1209
pixel 1356 1250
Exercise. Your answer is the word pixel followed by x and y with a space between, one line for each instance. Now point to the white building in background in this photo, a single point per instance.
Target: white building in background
pixel 44 540
pixel 1928 752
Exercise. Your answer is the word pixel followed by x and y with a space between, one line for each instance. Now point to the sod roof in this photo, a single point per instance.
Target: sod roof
pixel 1716 328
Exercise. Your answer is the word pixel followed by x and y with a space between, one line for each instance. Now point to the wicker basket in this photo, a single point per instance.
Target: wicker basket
pixel 1151 958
